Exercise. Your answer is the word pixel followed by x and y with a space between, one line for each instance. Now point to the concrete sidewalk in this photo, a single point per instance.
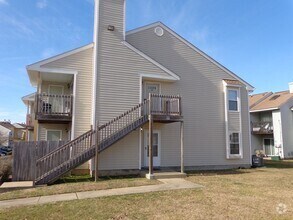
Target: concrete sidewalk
pixel 168 184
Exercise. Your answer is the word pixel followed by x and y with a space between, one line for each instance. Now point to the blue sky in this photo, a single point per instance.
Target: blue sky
pixel 253 38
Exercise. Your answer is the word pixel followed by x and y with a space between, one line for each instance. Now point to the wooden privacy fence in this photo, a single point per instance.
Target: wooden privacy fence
pixel 25 156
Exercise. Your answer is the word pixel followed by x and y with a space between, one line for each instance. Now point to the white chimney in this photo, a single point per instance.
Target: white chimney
pixel 291 87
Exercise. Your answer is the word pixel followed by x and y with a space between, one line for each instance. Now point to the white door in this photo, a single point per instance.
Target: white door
pixel 153 88
pixel 54 135
pixel 56 102
pixel 156 149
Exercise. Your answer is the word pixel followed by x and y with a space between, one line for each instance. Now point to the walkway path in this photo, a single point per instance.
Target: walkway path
pixel 168 184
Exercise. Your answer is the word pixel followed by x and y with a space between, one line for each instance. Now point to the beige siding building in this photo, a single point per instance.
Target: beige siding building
pixel 88 87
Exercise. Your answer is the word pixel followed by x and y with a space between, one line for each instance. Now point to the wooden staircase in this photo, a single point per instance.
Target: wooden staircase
pixel 78 151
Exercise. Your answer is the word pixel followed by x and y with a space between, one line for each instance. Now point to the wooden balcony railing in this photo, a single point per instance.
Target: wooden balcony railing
pixel 167 105
pixel 262 127
pixel 54 107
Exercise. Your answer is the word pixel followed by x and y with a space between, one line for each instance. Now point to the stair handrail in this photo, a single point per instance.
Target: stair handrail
pixel 92 130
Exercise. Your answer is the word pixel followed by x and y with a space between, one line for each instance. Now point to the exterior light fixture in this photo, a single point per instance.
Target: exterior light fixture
pixel 111 28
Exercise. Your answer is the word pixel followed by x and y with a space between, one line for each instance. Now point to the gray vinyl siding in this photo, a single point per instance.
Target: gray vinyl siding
pixel 287 129
pixel 118 87
pixel 201 86
pixel 81 62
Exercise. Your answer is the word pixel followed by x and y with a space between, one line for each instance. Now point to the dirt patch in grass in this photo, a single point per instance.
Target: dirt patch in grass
pixel 77 184
pixel 241 194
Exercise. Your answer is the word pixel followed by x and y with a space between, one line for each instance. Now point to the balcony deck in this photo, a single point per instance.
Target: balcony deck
pixel 262 128
pixel 54 108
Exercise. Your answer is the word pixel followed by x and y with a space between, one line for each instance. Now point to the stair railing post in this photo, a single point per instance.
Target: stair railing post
pixel 97 153
pixel 150 138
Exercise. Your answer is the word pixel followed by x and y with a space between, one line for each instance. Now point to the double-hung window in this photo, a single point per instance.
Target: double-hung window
pixel 234 143
pixel 233 99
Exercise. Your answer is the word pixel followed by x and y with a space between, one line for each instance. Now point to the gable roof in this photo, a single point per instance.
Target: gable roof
pixel 271 101
pixel 28 98
pixel 249 87
pixel 35 68
pixel 59 56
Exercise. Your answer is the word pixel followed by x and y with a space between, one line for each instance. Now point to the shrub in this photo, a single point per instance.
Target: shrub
pixel 5 168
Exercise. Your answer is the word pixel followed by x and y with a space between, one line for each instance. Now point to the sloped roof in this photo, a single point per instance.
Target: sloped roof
pixel 270 100
pixel 257 98
pixel 7 125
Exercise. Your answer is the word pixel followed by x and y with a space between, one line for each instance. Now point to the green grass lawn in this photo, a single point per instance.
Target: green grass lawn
pixel 232 194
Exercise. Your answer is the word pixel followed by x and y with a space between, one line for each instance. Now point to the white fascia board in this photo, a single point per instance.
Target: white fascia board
pixel 53 70
pixel 264 110
pixel 158 77
pixel 59 56
pixel 248 86
pixel 173 75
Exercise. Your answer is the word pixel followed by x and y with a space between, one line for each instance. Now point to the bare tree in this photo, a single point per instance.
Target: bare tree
pixel 3 138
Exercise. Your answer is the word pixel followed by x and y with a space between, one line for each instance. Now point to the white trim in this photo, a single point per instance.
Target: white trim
pixel 235 156
pixel 73 107
pixel 227 129
pixel 146 132
pixel 226 118
pixel 124 18
pixel 157 77
pixel 52 85
pixel 59 56
pixel 95 62
pixel 52 70
pixel 176 77
pixel 264 110
pixel 46 136
pixel 249 131
pixel 249 87
pixel 238 98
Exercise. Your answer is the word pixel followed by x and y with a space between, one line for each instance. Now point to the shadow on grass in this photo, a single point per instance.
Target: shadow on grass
pixel 88 178
pixel 217 172
pixel 281 164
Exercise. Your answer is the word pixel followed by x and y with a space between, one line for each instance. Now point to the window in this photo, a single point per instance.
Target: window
pixel 54 135
pixel 233 100
pixel 234 144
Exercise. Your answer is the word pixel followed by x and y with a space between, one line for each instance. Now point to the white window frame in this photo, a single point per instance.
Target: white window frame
pixel 61 133
pixel 238 99
pixel 235 156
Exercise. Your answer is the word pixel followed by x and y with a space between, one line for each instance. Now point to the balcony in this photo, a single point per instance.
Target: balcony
pixel 29 121
pixel 262 127
pixel 165 108
pixel 54 108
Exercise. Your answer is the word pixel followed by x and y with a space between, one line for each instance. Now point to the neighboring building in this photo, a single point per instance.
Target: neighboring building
pixel 11 132
pixel 272 122
pixel 29 101
pixel 104 79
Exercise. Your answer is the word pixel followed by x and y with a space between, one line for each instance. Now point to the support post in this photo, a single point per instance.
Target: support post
pixel 150 145
pixel 150 175
pixel 97 153
pixel 182 145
